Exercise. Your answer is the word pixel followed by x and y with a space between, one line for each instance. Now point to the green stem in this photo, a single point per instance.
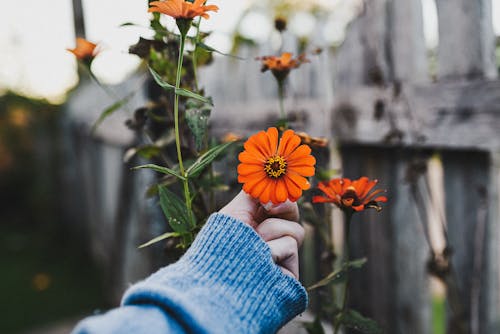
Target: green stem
pixel 195 65
pixel 281 97
pixel 348 216
pixel 187 195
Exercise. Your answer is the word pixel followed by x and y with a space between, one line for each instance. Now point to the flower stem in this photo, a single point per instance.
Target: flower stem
pixel 281 97
pixel 185 182
pixel 195 65
pixel 348 216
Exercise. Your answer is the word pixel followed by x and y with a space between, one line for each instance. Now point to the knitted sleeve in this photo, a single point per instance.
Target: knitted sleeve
pixel 225 283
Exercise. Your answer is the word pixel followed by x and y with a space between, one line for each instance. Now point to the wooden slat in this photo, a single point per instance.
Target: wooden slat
pixel 393 286
pixel 409 53
pixel 466 40
pixel 468 191
pixel 363 57
pixel 441 114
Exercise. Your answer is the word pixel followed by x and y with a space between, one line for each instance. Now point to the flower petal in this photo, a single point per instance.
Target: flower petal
pixel 288 143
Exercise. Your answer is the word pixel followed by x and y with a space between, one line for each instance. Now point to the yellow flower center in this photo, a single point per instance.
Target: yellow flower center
pixel 275 166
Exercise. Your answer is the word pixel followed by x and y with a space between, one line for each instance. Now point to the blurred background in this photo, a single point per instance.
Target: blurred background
pixel 72 213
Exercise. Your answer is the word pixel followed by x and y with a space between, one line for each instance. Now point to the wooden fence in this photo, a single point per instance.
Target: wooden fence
pixel 376 97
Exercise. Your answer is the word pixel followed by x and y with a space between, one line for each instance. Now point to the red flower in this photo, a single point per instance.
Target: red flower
pixel 348 195
pixel 275 171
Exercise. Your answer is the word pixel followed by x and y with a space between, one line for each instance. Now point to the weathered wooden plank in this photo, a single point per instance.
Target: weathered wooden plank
pixel 393 286
pixel 466 39
pixel 408 50
pixel 363 57
pixel 433 115
pixel 468 191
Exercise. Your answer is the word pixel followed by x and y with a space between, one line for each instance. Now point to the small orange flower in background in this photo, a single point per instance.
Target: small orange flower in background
pixel 273 169
pixel 85 50
pixel 281 66
pixel 181 9
pixel 231 137
pixel 348 195
pixel 312 141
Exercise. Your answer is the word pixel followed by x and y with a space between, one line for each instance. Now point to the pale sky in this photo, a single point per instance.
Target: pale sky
pixel 34 60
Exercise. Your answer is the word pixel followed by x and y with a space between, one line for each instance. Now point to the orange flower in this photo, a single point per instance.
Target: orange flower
pixel 275 171
pixel 312 141
pixel 181 9
pixel 281 66
pixel 84 50
pixel 230 137
pixel 351 195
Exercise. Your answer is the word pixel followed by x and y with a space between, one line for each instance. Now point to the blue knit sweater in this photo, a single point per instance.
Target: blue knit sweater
pixel 226 282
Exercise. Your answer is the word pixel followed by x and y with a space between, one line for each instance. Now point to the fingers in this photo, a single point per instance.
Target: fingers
pixel 284 251
pixel 244 208
pixel 287 210
pixel 251 212
pixel 275 228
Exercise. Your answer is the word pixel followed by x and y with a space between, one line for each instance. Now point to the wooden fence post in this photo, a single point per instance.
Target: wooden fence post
pixel 393 286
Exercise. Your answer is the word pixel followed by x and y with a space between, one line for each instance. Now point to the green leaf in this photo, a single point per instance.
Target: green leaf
pixel 314 327
pixel 206 158
pixel 160 238
pixel 146 152
pixel 354 320
pixel 338 276
pixel 175 210
pixel 178 91
pixel 211 49
pixel 197 115
pixel 358 263
pixel 161 169
pixel 110 110
pixel 188 93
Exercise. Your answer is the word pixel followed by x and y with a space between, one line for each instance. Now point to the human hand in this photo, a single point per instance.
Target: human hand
pixel 277 226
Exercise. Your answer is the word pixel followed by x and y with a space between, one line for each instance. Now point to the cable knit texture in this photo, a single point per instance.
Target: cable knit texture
pixel 225 283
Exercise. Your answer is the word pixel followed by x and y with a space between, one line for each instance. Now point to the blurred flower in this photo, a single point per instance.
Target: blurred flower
pixel 41 281
pixel 351 195
pixel 312 141
pixel 19 117
pixel 275 171
pixel 281 66
pixel 280 23
pixel 230 137
pixel 85 50
pixel 181 9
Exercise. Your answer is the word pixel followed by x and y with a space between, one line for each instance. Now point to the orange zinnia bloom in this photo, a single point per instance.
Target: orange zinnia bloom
pixel 84 50
pixel 351 195
pixel 181 9
pixel 274 170
pixel 281 66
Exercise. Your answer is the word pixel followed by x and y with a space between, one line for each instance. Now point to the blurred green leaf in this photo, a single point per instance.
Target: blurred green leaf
pixel 338 276
pixel 314 327
pixel 206 158
pixel 160 238
pixel 211 49
pixel 175 210
pixel 110 110
pixel 354 320
pixel 161 169
pixel 178 91
pixel 197 115
pixel 146 152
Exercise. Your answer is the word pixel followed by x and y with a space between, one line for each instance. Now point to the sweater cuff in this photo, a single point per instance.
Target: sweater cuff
pixel 227 277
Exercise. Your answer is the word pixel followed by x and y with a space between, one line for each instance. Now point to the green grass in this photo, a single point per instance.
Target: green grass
pixel 73 285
